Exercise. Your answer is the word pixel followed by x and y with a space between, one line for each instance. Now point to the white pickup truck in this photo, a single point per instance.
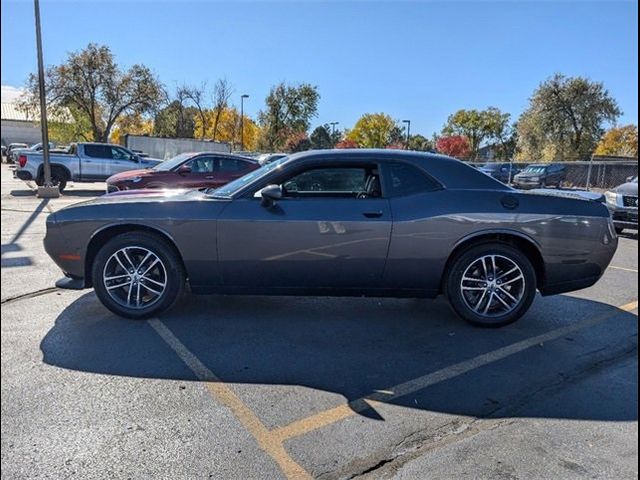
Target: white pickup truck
pixel 85 162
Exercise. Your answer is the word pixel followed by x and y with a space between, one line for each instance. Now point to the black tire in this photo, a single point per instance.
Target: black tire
pixel 174 275
pixel 453 285
pixel 59 177
pixel 619 230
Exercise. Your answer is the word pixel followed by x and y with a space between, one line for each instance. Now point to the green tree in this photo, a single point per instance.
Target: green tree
pixel 565 119
pixel 482 127
pixel 175 121
pixel 420 143
pixel 92 82
pixel 619 141
pixel 321 138
pixel 288 110
pixel 374 130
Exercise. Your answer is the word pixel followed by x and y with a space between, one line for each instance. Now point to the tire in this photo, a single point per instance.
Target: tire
pixel 136 299
pixel 619 230
pixel 466 296
pixel 59 177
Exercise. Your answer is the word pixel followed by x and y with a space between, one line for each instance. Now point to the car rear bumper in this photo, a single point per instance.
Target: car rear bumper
pixel 23 175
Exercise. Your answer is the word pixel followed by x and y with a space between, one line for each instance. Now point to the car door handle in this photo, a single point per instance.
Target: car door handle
pixel 209 177
pixel 372 214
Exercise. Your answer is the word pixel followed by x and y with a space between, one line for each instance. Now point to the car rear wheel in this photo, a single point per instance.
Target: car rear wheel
pixel 59 178
pixel 491 285
pixel 138 275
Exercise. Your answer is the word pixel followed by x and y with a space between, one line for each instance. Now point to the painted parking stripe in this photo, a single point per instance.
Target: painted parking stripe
pixel 224 395
pixel 327 417
pixel 624 269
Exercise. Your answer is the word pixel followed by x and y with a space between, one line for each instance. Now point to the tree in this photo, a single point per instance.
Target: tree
pixel 346 143
pixel 74 125
pixel 175 121
pixel 92 82
pixel 288 109
pixel 374 130
pixel 619 141
pixel 297 142
pixel 222 92
pixel 420 143
pixel 565 118
pixel 455 146
pixel 134 124
pixel 321 138
pixel 197 96
pixel 228 125
pixel 490 126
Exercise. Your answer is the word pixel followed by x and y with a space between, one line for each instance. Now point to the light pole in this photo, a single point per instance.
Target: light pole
pixel 46 190
pixel 408 122
pixel 333 132
pixel 242 97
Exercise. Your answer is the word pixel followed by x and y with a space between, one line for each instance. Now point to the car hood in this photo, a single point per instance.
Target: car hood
pixel 630 189
pixel 530 174
pixel 129 174
pixel 141 196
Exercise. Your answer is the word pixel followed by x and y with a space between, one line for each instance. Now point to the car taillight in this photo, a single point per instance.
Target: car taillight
pixel 22 160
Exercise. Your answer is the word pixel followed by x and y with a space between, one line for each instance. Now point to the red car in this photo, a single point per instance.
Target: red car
pixel 187 170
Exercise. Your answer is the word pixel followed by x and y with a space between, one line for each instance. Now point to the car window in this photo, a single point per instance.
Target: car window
pixel 120 154
pixel 327 182
pixel 201 165
pixel 98 151
pixel 229 165
pixel 404 179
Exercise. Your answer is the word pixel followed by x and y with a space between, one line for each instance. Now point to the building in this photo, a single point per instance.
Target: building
pixel 18 126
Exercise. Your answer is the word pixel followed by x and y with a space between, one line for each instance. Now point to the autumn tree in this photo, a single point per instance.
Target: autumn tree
pixel 619 141
pixel 196 95
pixel 455 146
pixel 222 92
pixel 176 120
pixel 297 142
pixel 134 124
pixel 374 130
pixel 565 118
pixel 228 125
pixel 346 143
pixel 91 82
pixel 420 143
pixel 490 126
pixel 288 109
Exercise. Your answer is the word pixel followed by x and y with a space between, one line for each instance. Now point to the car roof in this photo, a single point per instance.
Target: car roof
pixel 221 154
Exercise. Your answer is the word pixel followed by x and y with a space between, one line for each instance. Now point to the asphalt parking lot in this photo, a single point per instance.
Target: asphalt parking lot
pixel 279 387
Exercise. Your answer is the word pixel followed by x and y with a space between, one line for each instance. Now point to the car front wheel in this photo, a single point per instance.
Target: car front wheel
pixel 491 285
pixel 138 275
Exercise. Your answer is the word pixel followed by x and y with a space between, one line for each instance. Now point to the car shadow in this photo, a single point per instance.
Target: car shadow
pixel 361 347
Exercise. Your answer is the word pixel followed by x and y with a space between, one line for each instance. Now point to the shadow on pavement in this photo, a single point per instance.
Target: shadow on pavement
pixel 356 347
pixel 14 246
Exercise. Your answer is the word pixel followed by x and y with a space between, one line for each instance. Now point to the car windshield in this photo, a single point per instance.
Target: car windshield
pixel 536 169
pixel 172 162
pixel 492 166
pixel 232 187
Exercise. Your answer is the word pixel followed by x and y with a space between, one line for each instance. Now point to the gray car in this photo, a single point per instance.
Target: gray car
pixel 337 222
pixel 623 204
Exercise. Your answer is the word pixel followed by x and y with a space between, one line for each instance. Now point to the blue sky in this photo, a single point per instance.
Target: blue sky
pixel 413 60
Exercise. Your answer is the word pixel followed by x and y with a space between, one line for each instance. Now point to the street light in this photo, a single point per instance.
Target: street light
pixel 242 97
pixel 408 122
pixel 333 127
pixel 46 190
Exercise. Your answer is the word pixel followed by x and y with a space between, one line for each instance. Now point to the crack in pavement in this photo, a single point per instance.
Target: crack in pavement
pixel 25 296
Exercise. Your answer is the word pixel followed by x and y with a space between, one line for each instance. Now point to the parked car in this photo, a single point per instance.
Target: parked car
pixel 541 176
pixel 12 147
pixel 265 158
pixel 623 204
pixel 504 172
pixel 85 162
pixel 4 151
pixel 398 223
pixel 187 170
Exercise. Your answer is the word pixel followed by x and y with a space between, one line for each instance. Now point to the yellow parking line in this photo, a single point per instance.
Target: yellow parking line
pixel 330 416
pixel 623 269
pixel 223 394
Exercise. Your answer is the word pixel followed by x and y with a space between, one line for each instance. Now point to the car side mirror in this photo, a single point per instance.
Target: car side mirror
pixel 270 194
pixel 630 179
pixel 184 170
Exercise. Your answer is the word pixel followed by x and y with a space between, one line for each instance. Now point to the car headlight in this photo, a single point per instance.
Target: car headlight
pixel 612 198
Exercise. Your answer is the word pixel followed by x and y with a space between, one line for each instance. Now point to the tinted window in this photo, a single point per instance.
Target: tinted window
pixel 322 181
pixel 120 154
pixel 98 151
pixel 404 179
pixel 230 165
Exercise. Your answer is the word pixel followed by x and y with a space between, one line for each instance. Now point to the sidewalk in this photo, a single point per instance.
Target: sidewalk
pixel 26 268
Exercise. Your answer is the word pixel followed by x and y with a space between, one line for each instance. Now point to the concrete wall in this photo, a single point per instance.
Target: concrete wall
pixel 166 148
pixel 13 131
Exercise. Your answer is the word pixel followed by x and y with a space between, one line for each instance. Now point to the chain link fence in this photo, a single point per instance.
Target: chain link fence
pixel 596 175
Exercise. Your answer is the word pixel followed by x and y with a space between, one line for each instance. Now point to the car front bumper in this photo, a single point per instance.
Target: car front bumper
pixel 624 217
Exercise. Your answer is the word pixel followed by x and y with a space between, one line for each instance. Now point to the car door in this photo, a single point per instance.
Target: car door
pixel 122 160
pixel 227 169
pixel 95 162
pixel 200 175
pixel 331 229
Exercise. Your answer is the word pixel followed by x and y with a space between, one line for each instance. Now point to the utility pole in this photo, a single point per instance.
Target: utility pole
pixel 46 190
